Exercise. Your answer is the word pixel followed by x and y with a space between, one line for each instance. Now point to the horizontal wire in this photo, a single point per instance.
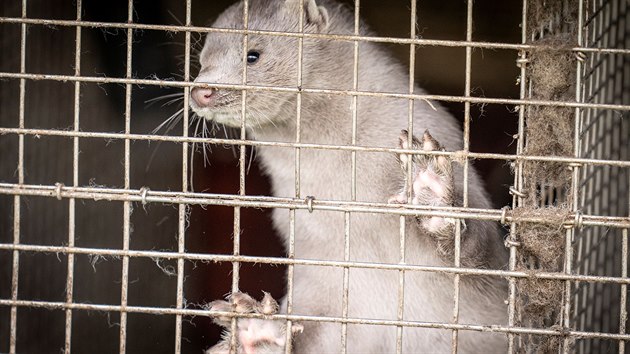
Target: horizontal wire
pixel 424 97
pixel 340 37
pixel 145 195
pixel 458 155
pixel 219 258
pixel 348 320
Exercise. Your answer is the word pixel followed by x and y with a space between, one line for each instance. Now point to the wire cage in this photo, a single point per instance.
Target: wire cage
pixel 600 251
pixel 600 307
pixel 114 235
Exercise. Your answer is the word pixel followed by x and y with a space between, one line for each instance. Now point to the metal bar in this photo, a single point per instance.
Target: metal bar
pixel 183 208
pixel 290 274
pixel 297 171
pixel 236 242
pixel 412 324
pixel 623 299
pixel 75 183
pixel 517 199
pixel 124 285
pixel 180 139
pixel 141 195
pixel 424 97
pixel 575 207
pixel 15 267
pixel 415 41
pixel 353 179
pixel 346 283
pixel 408 177
pixel 466 138
pixel 309 262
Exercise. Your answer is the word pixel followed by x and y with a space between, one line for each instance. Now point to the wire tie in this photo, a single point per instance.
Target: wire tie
pixel 577 221
pixel 504 211
pixel 143 194
pixel 521 62
pixel 511 243
pixel 309 203
pixel 517 193
pixel 58 187
pixel 580 56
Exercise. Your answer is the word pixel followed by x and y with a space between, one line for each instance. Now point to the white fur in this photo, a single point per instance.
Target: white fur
pixel 326 175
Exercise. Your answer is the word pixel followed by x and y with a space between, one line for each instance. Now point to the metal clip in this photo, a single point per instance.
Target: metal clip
pixel 143 194
pixel 309 203
pixel 58 187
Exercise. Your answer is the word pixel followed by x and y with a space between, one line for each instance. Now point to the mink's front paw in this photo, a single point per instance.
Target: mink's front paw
pixel 253 335
pixel 431 182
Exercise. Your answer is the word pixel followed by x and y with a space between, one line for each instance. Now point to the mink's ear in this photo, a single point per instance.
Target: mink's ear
pixel 315 15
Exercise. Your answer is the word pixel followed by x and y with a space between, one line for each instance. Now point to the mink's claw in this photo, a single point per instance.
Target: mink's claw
pixel 253 335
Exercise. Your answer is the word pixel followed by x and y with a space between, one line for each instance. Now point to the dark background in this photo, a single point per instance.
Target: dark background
pixel 49 104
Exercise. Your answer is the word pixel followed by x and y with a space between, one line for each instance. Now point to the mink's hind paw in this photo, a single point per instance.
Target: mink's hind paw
pixel 253 335
pixel 431 182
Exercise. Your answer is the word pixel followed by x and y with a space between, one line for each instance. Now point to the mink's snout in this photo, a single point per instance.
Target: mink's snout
pixel 203 97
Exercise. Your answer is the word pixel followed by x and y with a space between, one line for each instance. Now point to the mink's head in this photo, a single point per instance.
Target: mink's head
pixel 269 60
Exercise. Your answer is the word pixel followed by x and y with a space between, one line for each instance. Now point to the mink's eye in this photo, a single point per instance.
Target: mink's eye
pixel 252 56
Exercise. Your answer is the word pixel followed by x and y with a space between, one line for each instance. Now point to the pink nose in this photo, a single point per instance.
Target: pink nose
pixel 202 96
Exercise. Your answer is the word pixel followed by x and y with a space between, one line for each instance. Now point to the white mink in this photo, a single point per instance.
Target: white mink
pixel 327 175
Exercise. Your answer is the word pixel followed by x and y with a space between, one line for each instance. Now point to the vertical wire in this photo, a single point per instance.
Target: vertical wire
pixel 518 181
pixel 591 312
pixel 241 183
pixel 590 172
pixel 75 182
pixel 623 299
pixel 571 233
pixel 584 241
pixel 126 204
pixel 458 226
pixel 604 205
pixel 16 199
pixel 402 219
pixel 298 138
pixel 346 284
pixel 401 286
pixel 183 208
pixel 289 332
pixel 353 179
pixel 623 311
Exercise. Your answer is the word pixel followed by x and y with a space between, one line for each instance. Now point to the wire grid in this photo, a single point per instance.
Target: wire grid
pixel 596 109
pixel 600 307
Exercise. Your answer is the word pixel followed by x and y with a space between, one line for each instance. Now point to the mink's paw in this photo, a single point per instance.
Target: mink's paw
pixel 253 335
pixel 431 181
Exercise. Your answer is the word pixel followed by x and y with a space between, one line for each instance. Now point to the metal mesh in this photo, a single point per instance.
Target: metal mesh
pixel 604 190
pixel 595 273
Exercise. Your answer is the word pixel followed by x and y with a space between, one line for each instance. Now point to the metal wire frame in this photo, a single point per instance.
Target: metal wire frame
pixel 144 195
pixel 199 29
pixel 184 198
pixel 605 189
pixel 424 97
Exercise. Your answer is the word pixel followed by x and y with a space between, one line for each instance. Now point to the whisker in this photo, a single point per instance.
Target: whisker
pixel 227 136
pixel 251 158
pixel 205 134
pixel 150 161
pixel 170 122
pixel 174 100
pixel 179 22
pixel 151 101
